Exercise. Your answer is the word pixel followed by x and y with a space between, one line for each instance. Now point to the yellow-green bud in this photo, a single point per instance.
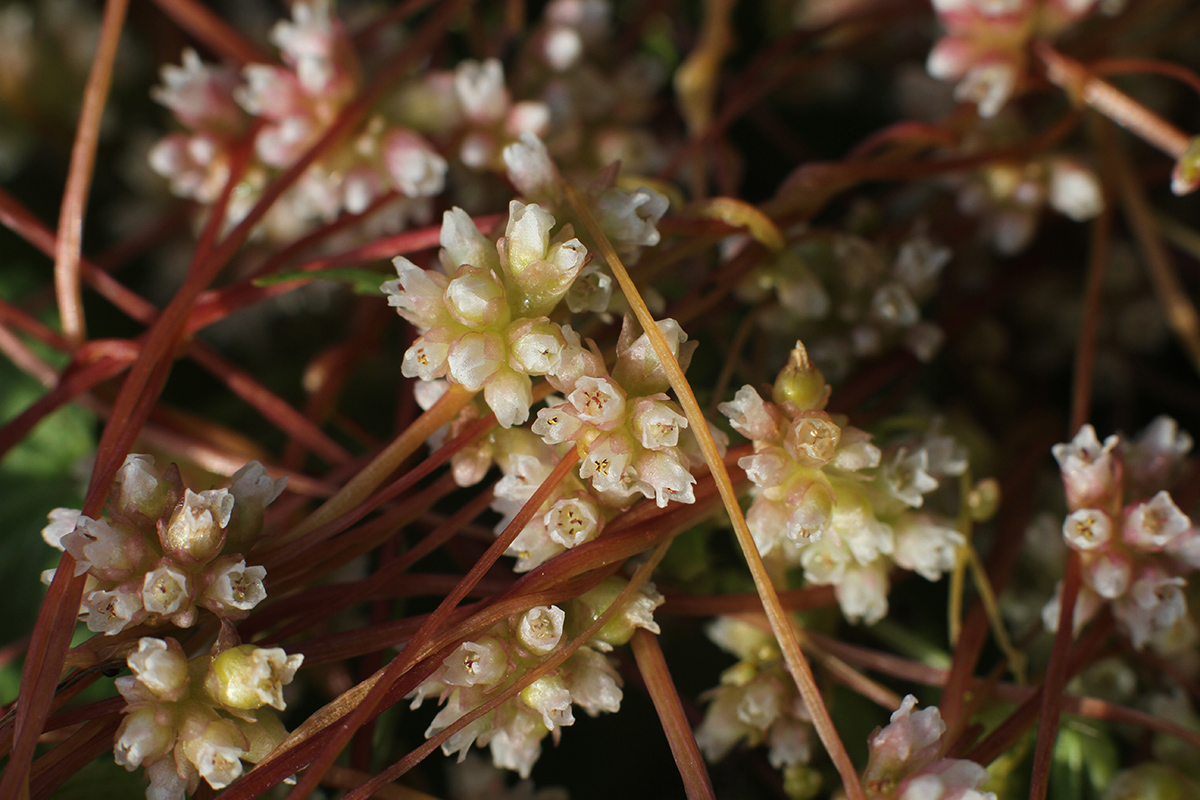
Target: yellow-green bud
pixel 800 386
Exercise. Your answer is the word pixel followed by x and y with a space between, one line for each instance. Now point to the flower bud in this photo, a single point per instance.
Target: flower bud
pixel 534 346
pixel 638 368
pixel 550 697
pixel 253 490
pixel 531 169
pixel 249 677
pixel 475 298
pixel 146 734
pixel 196 532
pixel 138 490
pixel 161 667
pixel 800 385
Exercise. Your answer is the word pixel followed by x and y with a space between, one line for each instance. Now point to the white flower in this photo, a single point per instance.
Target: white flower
pixel 480 90
pixel 160 667
pixel 862 593
pixel 165 590
pixel 595 685
pixel 236 586
pixel 598 401
pixel 517 745
pixel 110 612
pixel 62 522
pixel 607 459
pixel 474 358
pixel 656 423
pixel 143 737
pixel 414 166
pixel 98 547
pixel 1152 525
pixel 749 415
pixel 926 547
pixel 1075 190
pixel 571 521
pixel 540 629
pixel 217 753
pixel 476 663
pixel 910 742
pixel 1087 468
pixel 530 168
pixel 555 426
pixel 907 477
pixel 1087 529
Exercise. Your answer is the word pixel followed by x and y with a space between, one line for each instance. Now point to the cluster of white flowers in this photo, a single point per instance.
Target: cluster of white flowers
pixel 482 319
pixel 905 763
pixel 187 720
pixel 986 41
pixel 628 431
pixel 293 105
pixel 849 298
pixel 511 649
pixel 571 515
pixel 162 551
pixel 827 499
pixel 757 701
pixel 1134 543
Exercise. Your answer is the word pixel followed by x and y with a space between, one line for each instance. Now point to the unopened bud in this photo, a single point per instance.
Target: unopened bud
pixel 800 386
pixel 249 677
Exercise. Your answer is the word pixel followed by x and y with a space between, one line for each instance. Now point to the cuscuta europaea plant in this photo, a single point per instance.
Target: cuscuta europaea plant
pixel 915 468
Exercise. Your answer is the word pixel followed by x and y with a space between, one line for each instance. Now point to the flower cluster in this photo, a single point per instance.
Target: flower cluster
pixel 187 720
pixel 571 515
pixel 628 432
pixel 904 762
pixel 986 42
pixel 289 107
pixel 511 649
pixel 828 500
pixel 849 299
pixel 1134 543
pixel 757 701
pixel 162 551
pixel 482 319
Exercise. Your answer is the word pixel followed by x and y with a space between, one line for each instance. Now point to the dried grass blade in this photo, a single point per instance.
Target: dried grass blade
pixel 780 620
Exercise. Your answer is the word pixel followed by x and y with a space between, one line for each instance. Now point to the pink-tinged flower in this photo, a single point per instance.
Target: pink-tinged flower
pixel 415 168
pixel 911 742
pixel 201 95
pixel 1153 525
pixel 1090 473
